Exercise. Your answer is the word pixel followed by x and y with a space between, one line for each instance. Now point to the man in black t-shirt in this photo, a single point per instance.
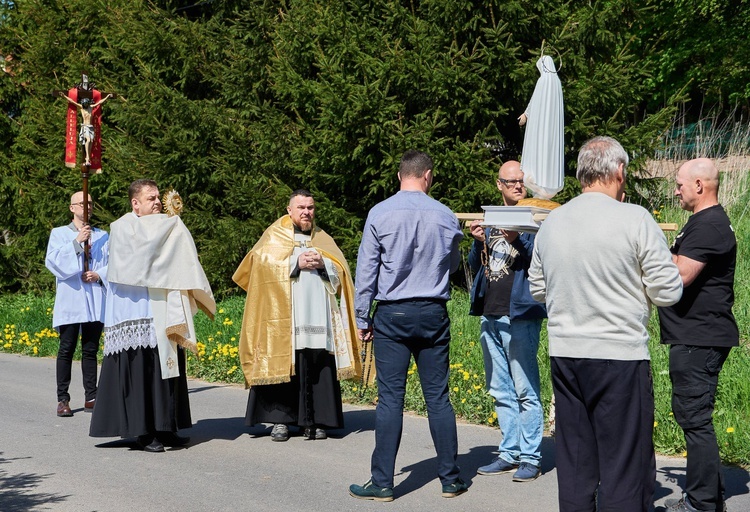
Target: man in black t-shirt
pixel 700 329
pixel 509 334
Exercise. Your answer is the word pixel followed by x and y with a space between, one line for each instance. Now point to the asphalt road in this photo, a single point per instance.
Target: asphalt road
pixel 50 463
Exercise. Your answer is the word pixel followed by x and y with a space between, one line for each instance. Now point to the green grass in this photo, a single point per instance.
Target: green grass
pixel 27 320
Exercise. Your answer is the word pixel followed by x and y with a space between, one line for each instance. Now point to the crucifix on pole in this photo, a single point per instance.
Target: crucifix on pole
pixel 84 97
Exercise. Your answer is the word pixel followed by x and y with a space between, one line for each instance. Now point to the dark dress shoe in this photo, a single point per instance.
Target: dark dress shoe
pixel 150 444
pixel 171 439
pixel 315 433
pixel 88 405
pixel 63 409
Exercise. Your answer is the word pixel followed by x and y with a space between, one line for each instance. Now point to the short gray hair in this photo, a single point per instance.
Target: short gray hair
pixel 599 159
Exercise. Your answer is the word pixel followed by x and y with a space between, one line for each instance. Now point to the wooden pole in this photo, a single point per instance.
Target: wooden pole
pixel 85 176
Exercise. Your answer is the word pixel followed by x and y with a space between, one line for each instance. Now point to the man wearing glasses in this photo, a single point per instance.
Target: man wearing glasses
pixel 509 334
pixel 79 300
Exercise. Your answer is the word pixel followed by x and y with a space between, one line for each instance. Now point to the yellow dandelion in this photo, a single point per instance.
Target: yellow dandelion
pixel 494 414
pixel 455 389
pixel 354 388
pixel 410 372
pixel 730 430
pixel 656 424
pixel 232 339
pixel 490 420
pixel 463 400
pixel 221 310
pixel 684 454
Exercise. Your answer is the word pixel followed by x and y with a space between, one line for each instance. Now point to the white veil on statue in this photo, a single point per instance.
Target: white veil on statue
pixel 543 143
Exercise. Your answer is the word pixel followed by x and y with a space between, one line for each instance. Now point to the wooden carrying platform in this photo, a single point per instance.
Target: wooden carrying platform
pixel 536 218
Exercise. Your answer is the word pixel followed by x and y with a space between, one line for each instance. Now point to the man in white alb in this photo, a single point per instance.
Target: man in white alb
pixel 156 284
pixel 79 300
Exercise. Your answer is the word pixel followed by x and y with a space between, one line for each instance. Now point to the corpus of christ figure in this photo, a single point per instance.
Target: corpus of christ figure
pixel 87 134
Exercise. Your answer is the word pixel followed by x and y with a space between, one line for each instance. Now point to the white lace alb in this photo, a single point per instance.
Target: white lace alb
pixel 129 335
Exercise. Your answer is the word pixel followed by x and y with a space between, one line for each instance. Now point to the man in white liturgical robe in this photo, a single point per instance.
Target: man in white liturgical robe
pixel 155 286
pixel 79 300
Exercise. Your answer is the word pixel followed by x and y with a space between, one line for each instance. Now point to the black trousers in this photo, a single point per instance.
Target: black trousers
pixel 604 445
pixel 90 334
pixel 694 372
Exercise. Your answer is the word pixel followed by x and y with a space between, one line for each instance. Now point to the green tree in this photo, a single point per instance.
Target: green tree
pixel 700 46
pixel 235 104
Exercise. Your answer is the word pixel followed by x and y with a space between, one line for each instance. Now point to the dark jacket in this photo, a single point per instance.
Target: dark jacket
pixel 522 304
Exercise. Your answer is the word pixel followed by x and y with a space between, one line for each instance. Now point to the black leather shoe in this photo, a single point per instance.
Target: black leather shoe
pixel 171 439
pixel 150 444
pixel 315 433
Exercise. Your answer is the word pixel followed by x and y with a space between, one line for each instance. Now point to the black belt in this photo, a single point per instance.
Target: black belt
pixel 442 302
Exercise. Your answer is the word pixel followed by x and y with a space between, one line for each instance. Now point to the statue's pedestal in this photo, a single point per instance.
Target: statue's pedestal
pixel 515 218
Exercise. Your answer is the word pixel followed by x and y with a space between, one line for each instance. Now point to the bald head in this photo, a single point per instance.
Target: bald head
pixel 703 169
pixel 76 206
pixel 510 182
pixel 697 185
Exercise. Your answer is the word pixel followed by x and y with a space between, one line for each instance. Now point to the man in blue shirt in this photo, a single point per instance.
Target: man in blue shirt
pixel 409 249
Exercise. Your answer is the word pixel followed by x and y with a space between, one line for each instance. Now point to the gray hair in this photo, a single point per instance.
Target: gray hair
pixel 599 159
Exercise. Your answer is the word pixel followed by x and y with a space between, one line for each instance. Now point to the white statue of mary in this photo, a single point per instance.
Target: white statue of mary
pixel 543 143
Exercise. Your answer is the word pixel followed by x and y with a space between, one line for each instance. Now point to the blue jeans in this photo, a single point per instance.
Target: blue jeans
pixel 401 329
pixel 512 373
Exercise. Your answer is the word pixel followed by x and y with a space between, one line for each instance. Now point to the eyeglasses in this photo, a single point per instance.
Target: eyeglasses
pixel 80 203
pixel 509 183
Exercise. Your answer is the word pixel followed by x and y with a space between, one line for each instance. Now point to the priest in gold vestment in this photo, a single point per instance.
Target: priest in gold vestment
pixel 298 337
